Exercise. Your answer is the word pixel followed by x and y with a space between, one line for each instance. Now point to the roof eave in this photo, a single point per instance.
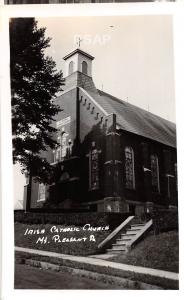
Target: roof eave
pixel 78 51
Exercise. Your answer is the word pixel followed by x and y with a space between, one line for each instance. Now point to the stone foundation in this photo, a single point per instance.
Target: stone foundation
pixel 112 204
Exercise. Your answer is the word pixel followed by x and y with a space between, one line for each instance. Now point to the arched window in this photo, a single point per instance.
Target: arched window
pixel 57 151
pixel 155 173
pixel 61 151
pixel 63 144
pixel 129 168
pixel 84 67
pixel 71 67
pixel 41 192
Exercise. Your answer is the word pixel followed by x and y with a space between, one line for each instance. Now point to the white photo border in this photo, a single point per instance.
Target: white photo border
pixel 6 12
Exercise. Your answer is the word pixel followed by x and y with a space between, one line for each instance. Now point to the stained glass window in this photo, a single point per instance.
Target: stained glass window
pixel 155 173
pixel 129 168
pixel 94 169
pixel 64 147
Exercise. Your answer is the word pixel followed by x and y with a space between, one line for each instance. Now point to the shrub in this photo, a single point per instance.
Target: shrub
pixel 79 219
pixel 163 220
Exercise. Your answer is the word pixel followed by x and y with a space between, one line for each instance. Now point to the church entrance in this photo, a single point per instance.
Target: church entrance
pixel 67 191
pixel 132 209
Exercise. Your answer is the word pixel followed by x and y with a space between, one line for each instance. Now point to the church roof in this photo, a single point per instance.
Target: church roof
pixel 136 120
pixel 78 51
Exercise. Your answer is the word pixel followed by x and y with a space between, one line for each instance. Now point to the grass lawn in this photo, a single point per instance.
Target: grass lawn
pixel 81 248
pixel 155 251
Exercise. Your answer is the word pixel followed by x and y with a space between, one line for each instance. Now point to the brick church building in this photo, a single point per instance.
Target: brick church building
pixel 113 156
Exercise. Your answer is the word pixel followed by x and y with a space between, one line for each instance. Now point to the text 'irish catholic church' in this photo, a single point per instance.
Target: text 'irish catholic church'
pixel 113 156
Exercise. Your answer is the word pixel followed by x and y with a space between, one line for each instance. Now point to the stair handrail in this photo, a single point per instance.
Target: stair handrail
pixel 116 231
pixel 140 233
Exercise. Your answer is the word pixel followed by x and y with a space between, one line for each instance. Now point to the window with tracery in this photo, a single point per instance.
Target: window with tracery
pixel 64 149
pixel 94 169
pixel 129 168
pixel 155 173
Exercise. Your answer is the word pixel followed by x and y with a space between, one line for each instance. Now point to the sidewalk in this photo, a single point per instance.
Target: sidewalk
pixel 104 263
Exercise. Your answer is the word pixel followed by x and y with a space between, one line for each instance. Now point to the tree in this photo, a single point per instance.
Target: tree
pixel 35 83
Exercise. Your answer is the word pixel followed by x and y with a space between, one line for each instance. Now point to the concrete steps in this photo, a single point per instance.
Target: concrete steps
pixel 113 251
pixel 122 242
pixel 125 240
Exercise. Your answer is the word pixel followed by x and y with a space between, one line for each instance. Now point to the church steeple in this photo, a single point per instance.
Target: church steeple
pixel 80 61
pixel 78 70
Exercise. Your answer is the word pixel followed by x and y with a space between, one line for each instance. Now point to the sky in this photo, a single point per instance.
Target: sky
pixel 133 59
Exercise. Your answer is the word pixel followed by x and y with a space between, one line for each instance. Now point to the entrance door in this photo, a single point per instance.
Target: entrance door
pixel 132 209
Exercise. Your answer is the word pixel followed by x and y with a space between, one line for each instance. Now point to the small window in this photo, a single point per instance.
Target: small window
pixel 155 173
pixel 71 64
pixel 41 192
pixel 129 168
pixel 84 67
pixel 176 175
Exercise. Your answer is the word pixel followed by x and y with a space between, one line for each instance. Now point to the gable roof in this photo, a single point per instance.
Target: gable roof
pixel 136 120
pixel 78 51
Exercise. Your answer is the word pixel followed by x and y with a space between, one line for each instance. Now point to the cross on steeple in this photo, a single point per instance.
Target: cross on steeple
pixel 79 42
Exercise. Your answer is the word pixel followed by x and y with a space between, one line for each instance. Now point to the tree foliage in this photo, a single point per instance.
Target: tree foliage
pixel 35 83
